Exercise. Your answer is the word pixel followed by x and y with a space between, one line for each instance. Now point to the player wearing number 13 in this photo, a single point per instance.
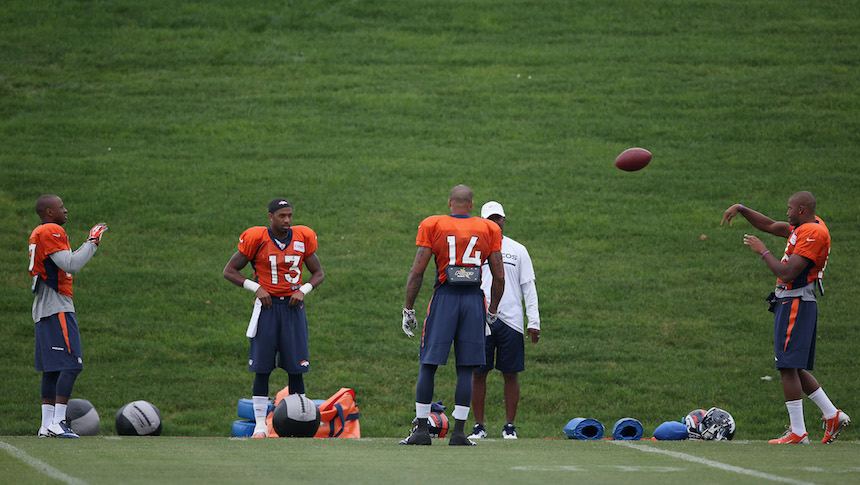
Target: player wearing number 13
pixel 457 313
pixel 278 327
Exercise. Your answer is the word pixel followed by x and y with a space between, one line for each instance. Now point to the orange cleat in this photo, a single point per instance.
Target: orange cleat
pixel 789 438
pixel 834 425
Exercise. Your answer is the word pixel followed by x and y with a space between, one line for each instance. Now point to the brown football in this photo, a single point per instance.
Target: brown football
pixel 633 159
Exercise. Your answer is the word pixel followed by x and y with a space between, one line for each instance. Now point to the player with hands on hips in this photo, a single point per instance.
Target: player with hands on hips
pixel 505 348
pixel 794 302
pixel 278 327
pixel 58 353
pixel 460 244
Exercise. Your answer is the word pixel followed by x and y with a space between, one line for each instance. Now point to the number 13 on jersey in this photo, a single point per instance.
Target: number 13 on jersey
pixel 293 273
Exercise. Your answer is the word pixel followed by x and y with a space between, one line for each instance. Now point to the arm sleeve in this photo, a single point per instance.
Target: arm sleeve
pixel 72 262
pixel 531 299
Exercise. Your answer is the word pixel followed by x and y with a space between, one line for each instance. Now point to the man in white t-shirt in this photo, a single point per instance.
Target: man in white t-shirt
pixel 505 348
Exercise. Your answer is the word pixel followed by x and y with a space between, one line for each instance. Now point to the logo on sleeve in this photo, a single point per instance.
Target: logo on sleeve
pixel 299 246
pixel 56 235
pixel 810 239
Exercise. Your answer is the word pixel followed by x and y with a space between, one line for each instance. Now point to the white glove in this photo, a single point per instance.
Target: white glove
pixel 409 322
pixel 491 317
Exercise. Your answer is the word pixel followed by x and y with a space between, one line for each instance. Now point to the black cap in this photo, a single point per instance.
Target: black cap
pixel 278 204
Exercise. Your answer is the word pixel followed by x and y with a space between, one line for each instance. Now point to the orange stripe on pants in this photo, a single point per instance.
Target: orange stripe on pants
pixel 65 328
pixel 792 318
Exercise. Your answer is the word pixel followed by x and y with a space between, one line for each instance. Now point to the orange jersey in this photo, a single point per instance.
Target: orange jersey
pixel 458 241
pixel 812 241
pixel 278 264
pixel 45 240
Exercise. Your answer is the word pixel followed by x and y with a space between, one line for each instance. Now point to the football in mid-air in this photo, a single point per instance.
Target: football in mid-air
pixel 633 159
pixel 138 418
pixel 296 416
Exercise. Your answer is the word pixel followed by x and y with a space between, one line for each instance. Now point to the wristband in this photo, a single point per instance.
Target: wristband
pixel 306 288
pixel 764 254
pixel 740 208
pixel 250 285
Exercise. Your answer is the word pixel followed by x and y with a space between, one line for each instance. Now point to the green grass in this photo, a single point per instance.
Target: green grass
pixel 177 122
pixel 376 460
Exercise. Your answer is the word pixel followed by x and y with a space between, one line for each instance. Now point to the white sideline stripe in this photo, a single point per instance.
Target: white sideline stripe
pixel 711 463
pixel 40 465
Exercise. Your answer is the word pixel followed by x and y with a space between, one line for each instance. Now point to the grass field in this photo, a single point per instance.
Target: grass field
pixel 177 122
pixel 380 460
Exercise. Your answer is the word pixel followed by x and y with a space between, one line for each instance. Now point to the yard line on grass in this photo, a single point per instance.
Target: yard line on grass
pixel 711 463
pixel 40 465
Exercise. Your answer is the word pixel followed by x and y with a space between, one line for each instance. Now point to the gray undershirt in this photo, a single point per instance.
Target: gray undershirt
pixel 48 301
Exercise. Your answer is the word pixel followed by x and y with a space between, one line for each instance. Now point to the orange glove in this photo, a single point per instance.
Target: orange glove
pixel 96 232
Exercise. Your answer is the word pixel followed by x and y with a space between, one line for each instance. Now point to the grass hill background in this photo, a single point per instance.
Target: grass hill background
pixel 177 122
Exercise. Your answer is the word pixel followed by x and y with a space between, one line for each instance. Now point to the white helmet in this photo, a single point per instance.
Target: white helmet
pixel 717 425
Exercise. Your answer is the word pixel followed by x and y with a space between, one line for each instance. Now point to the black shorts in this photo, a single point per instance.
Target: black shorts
pixel 506 347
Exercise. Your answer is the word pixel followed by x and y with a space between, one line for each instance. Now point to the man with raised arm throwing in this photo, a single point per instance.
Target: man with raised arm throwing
pixel 58 342
pixel 795 308
pixel 278 327
pixel 457 313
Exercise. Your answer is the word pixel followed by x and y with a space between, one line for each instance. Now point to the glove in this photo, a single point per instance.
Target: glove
pixel 96 232
pixel 409 322
pixel 491 317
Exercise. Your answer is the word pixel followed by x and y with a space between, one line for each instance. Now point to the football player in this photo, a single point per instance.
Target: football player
pixel 58 341
pixel 799 272
pixel 457 313
pixel 278 326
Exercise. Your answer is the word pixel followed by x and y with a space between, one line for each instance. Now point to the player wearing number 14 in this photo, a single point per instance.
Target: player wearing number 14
pixel 278 327
pixel 459 244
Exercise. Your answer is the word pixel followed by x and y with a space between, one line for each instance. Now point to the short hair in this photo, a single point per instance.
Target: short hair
pixel 461 195
pixel 806 199
pixel 44 202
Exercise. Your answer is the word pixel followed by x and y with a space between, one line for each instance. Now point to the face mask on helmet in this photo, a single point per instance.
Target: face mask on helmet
pixel 717 425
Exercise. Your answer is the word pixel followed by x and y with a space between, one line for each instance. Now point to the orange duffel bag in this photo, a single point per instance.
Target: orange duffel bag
pixel 338 415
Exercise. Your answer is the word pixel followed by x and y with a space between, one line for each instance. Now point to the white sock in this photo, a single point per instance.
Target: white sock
pixel 823 402
pixel 59 413
pixel 460 412
pixel 795 415
pixel 422 411
pixel 261 408
pixel 47 414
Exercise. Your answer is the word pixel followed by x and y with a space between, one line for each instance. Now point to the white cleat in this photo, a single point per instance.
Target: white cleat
pixel 478 432
pixel 61 430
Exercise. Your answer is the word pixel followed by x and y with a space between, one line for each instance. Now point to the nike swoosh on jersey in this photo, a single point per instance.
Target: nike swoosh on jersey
pixel 56 235
pixel 810 240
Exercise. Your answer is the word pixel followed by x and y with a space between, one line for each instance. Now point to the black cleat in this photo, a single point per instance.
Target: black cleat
pixel 459 439
pixel 417 437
